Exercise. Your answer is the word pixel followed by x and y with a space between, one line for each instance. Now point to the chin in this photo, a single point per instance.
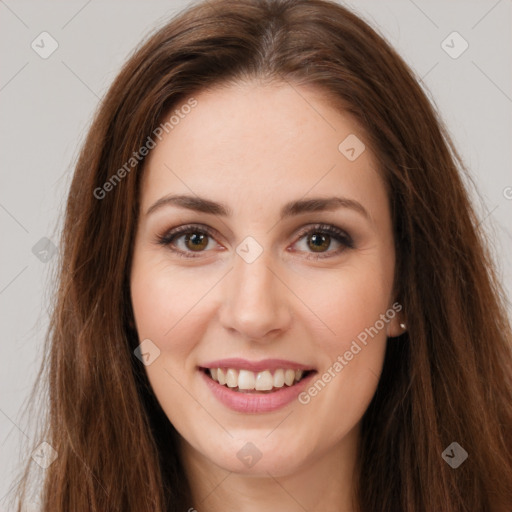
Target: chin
pixel 259 457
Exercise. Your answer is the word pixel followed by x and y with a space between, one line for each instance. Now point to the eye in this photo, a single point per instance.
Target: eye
pixel 319 238
pixel 195 239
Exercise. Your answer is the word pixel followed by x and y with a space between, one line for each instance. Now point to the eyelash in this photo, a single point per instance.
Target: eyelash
pixel 324 229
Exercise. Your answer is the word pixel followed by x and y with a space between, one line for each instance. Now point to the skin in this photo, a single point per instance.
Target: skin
pixel 255 147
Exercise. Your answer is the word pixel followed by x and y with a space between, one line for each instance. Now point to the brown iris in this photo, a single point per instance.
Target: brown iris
pixel 199 241
pixel 319 242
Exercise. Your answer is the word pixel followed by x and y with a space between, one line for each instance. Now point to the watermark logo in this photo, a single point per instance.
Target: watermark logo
pixel 249 454
pixel 351 147
pixel 147 352
pixel 44 455
pixel 44 45
pixel 454 45
pixel 249 249
pixel 454 455
pixel 44 250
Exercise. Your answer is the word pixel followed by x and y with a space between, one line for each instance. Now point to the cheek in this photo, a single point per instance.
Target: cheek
pixel 352 338
pixel 167 311
pixel 347 303
pixel 167 303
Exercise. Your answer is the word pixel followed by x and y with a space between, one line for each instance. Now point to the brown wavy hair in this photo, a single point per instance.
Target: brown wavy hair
pixel 449 378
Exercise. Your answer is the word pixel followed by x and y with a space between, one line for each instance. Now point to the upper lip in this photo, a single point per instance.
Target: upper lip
pixel 256 366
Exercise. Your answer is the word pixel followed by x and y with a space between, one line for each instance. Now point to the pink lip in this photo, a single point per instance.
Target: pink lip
pixel 256 402
pixel 256 366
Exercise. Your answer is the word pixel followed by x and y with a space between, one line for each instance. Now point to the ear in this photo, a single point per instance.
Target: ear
pixel 397 324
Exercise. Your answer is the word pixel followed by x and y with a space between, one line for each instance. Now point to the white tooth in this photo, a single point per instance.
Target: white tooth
pixel 279 378
pixel 264 381
pixel 261 381
pixel 246 379
pixel 232 378
pixel 289 377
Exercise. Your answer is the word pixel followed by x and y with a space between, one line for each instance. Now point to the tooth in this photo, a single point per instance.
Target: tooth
pixel 289 377
pixel 232 378
pixel 279 378
pixel 264 381
pixel 246 379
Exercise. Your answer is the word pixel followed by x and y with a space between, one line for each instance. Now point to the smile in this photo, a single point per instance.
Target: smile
pixel 246 381
pixel 255 387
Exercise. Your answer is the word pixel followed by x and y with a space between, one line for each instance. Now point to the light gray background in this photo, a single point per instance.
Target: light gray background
pixel 46 106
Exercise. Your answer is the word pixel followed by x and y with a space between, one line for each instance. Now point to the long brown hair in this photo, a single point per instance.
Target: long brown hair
pixel 448 379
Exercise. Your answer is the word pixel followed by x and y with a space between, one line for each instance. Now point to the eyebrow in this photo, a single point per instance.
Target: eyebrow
pixel 203 205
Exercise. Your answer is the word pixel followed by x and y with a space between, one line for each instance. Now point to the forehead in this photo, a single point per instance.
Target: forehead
pixel 267 142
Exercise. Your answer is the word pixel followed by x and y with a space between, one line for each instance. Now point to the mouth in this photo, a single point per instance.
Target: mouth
pixel 251 382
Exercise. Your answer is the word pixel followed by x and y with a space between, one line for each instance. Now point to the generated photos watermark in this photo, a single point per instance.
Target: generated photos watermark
pixel 138 156
pixel 344 359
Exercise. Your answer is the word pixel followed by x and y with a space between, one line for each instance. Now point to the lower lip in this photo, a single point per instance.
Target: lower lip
pixel 256 402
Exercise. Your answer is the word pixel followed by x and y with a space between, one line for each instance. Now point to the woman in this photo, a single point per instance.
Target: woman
pixel 274 292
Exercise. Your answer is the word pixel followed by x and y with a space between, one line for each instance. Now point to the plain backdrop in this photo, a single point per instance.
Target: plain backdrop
pixel 46 106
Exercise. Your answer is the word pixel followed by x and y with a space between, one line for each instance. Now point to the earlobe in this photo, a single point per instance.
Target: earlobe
pixel 396 327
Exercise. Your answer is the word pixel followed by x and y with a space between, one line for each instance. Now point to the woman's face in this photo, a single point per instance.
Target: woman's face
pixel 257 285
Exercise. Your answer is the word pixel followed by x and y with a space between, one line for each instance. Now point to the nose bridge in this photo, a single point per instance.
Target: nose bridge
pixel 253 280
pixel 254 303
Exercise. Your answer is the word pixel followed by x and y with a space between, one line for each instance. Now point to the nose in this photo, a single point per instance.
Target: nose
pixel 256 301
